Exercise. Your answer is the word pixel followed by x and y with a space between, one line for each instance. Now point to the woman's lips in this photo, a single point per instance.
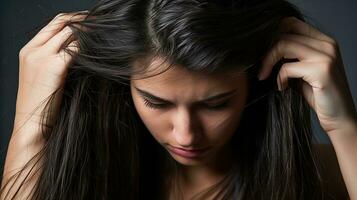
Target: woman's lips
pixel 188 153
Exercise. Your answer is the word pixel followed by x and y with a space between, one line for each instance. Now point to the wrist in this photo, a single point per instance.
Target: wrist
pixel 347 131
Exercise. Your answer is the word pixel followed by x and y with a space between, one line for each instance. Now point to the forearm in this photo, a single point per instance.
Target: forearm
pixel 20 151
pixel 344 142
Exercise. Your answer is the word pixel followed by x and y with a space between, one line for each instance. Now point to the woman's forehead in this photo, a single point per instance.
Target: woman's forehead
pixel 178 82
pixel 159 71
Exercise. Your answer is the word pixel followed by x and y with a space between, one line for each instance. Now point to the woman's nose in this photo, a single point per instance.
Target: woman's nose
pixel 186 129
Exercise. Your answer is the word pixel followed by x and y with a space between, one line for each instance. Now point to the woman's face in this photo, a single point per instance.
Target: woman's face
pixel 176 109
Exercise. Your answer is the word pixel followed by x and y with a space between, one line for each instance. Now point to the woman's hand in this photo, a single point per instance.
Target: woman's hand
pixel 42 70
pixel 324 83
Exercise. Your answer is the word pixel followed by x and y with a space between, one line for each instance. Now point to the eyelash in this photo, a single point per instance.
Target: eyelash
pixel 158 106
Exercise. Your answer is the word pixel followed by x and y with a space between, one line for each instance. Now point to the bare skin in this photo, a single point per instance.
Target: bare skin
pixel 324 86
pixel 42 69
pixel 186 124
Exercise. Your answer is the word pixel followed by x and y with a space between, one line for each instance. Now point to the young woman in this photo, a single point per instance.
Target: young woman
pixel 160 99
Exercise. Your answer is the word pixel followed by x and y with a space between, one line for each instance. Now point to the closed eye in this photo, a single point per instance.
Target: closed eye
pixel 154 105
pixel 165 105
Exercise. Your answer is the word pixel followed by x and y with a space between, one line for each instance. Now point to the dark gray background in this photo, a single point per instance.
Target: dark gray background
pixel 20 19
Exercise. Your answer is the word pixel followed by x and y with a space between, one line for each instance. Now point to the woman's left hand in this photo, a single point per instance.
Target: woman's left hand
pixel 320 66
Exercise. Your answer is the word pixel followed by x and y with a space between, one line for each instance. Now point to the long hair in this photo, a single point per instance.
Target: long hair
pixel 99 148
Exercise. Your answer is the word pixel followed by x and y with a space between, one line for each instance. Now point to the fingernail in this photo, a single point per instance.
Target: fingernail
pixel 84 11
pixel 279 87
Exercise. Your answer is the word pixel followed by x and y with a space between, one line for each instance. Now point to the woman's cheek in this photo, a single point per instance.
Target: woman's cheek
pixel 219 129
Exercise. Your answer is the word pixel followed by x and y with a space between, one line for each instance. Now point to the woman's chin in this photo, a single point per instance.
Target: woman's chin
pixel 189 161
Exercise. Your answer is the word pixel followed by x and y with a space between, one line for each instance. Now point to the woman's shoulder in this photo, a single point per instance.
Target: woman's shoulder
pixel 333 182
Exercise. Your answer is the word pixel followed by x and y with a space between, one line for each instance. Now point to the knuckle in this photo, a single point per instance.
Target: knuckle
pixel 327 59
pixel 282 43
pixel 67 29
pixel 330 49
pixel 29 59
pixel 330 59
pixel 333 42
pixel 23 52
pixel 284 72
pixel 27 56
pixel 59 16
pixel 62 17
pixel 279 48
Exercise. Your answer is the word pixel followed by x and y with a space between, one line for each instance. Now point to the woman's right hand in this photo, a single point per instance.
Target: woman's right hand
pixel 42 70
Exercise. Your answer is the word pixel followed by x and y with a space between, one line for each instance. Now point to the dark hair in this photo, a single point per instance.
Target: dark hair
pixel 98 147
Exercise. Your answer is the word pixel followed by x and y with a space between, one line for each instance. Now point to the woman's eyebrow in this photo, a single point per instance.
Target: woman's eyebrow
pixel 146 94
